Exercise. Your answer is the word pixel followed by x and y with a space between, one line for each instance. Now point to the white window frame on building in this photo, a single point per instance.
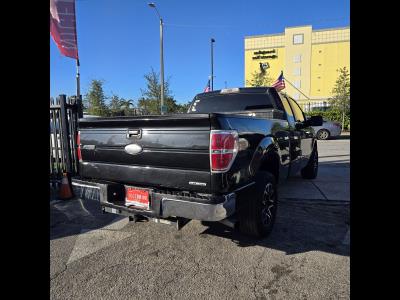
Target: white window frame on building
pixel 297 71
pixel 297 58
pixel 298 39
pixel 297 83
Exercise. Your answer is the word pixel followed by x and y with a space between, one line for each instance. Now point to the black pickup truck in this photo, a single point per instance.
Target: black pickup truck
pixel 221 161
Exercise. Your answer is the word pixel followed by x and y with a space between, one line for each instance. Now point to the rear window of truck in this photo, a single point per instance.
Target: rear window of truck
pixel 230 102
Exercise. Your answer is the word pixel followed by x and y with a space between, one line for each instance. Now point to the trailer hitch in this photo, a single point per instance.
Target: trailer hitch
pixel 177 222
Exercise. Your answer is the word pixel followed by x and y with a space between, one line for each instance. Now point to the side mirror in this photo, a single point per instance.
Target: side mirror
pixel 314 121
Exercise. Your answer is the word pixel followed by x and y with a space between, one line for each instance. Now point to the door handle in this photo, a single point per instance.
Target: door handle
pixel 137 133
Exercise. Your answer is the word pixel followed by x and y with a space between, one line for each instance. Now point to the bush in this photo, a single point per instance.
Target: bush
pixel 332 115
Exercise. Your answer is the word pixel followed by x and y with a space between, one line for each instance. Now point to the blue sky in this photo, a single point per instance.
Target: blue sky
pixel 118 41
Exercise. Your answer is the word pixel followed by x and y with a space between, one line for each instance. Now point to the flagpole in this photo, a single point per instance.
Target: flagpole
pixel 78 79
pixel 78 89
pixel 296 88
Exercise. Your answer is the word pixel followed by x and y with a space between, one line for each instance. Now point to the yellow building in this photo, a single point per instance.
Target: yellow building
pixel 309 59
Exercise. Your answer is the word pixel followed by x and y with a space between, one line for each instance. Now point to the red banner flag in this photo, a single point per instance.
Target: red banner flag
pixel 63 26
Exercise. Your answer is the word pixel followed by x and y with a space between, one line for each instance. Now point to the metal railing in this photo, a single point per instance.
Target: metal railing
pixel 64 114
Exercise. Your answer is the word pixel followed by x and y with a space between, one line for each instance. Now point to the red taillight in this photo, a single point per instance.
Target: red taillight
pixel 223 149
pixel 78 143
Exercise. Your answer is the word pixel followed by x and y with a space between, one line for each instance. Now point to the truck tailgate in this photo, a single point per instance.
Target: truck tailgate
pixel 160 151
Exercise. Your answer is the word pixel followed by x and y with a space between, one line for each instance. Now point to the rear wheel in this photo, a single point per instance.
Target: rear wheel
pixel 206 223
pixel 323 134
pixel 310 171
pixel 258 206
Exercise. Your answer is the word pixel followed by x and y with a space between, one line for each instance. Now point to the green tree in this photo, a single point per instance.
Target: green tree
pixel 150 101
pixel 114 106
pixel 341 94
pixel 95 99
pixel 85 104
pixel 183 108
pixel 120 106
pixel 259 79
pixel 127 106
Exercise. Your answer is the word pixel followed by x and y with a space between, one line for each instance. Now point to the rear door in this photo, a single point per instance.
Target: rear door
pixel 304 134
pixel 294 138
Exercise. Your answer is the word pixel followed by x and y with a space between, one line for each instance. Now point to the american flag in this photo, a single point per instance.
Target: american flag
pixel 279 84
pixel 207 89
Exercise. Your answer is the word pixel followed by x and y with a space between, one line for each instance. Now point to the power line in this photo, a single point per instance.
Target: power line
pixel 203 26
pixel 316 21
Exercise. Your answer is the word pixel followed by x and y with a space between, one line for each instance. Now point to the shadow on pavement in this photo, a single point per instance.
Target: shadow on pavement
pixel 301 226
pixel 335 163
pixel 340 137
pixel 69 217
pixel 325 156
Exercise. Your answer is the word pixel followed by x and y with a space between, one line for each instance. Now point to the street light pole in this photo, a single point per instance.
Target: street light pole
pixel 212 64
pixel 153 5
pixel 162 64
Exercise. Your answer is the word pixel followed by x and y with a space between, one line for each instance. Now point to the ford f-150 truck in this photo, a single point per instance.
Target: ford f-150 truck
pixel 220 161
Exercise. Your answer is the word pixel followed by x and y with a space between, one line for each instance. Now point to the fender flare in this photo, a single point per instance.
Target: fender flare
pixel 268 146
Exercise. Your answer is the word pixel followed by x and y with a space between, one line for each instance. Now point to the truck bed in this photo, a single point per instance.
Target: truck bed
pixel 175 149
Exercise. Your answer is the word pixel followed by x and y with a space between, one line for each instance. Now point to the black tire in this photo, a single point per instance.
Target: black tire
pixel 257 206
pixel 310 171
pixel 323 134
pixel 137 218
pixel 206 223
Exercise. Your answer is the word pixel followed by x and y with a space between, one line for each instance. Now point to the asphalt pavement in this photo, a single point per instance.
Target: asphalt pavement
pixel 104 256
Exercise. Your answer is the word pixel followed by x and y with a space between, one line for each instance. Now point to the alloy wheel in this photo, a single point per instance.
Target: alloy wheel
pixel 268 203
pixel 315 161
pixel 323 135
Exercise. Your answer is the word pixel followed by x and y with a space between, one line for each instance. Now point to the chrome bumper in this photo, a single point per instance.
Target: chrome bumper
pixel 199 211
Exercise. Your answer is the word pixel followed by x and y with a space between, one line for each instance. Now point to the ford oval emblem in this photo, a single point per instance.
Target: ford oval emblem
pixel 133 149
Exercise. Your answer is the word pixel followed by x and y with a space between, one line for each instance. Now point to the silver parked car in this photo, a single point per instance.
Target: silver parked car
pixel 327 130
pixel 86 115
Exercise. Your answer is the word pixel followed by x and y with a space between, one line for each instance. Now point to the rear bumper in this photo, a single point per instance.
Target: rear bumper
pixel 111 197
pixel 199 211
pixel 335 131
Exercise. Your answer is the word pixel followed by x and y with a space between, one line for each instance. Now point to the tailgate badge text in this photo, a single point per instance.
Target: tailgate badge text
pixel 197 183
